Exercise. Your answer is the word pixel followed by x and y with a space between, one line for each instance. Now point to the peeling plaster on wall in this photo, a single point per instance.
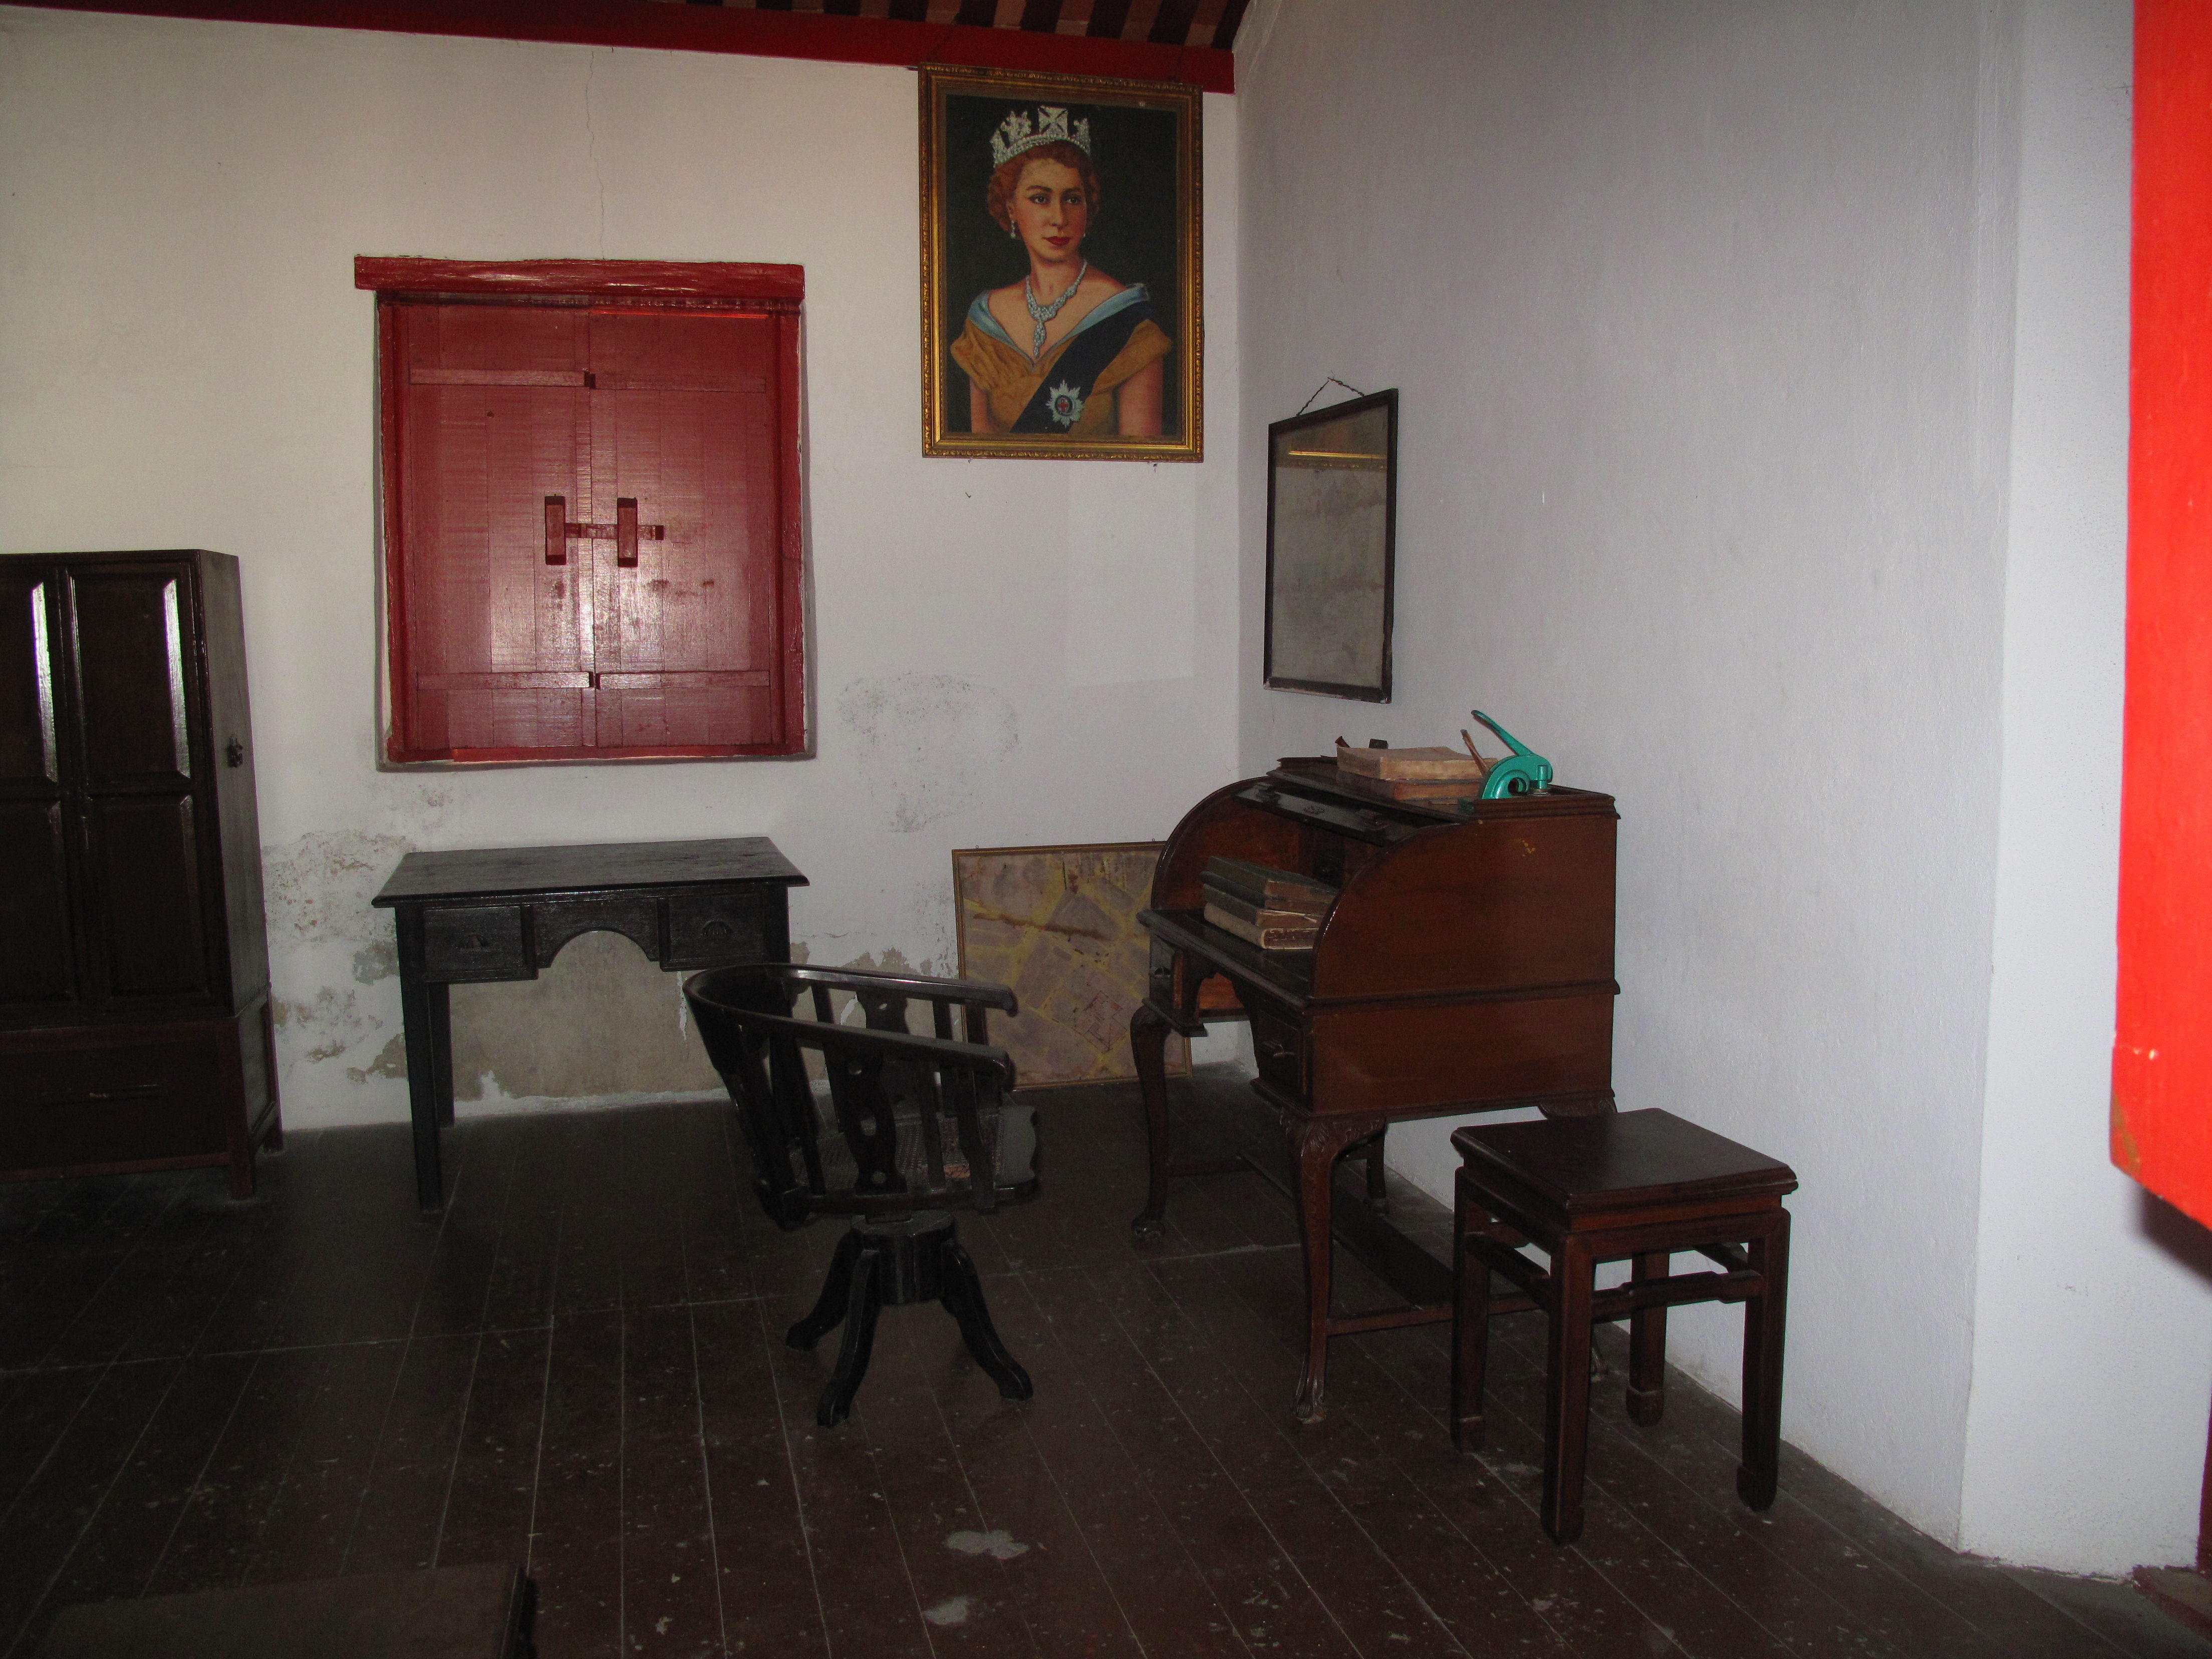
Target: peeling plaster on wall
pixel 375 962
pixel 600 1020
pixel 330 1022
pixel 318 887
pixel 893 961
pixel 929 743
pixel 390 1061
pixel 331 954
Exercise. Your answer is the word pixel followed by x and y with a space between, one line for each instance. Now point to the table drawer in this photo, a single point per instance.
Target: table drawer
pixel 708 929
pixel 475 942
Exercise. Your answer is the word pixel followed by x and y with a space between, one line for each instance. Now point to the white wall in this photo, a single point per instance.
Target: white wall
pixel 1701 379
pixel 1007 652
pixel 2093 1325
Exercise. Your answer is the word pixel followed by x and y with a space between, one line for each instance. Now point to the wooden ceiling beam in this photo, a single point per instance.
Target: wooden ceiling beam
pixel 819 35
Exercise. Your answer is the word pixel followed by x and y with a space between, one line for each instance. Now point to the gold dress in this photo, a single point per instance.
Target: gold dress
pixel 1069 392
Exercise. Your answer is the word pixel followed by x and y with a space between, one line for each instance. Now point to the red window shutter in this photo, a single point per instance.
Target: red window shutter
pixel 596 530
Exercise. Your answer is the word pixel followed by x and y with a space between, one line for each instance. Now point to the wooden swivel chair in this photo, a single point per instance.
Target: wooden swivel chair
pixel 918 1125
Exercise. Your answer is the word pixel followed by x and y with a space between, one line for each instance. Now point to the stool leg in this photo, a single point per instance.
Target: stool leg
pixel 1470 1322
pixel 1566 1391
pixel 1756 1476
pixel 1647 1345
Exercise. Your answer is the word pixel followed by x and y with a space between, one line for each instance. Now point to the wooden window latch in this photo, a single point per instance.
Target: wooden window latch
pixel 624 532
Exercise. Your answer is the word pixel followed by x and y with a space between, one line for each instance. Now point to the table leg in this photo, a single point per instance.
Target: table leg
pixel 1756 1477
pixel 417 1005
pixel 1566 1391
pixel 1148 1042
pixel 441 1050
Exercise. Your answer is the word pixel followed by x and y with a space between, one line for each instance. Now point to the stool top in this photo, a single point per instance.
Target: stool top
pixel 1617 1159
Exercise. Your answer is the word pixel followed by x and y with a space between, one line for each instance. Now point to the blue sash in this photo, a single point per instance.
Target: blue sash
pixel 1057 403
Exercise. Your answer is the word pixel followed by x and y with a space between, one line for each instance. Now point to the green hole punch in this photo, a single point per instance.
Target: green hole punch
pixel 1524 772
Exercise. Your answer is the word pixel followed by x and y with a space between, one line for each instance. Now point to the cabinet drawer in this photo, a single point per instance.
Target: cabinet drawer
pixel 708 929
pixel 475 942
pixel 1278 1051
pixel 66 1108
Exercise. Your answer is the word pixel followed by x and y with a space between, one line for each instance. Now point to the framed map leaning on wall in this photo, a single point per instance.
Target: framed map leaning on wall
pixel 1058 924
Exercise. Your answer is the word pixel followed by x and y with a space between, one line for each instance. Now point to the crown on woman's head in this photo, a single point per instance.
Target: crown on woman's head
pixel 1017 133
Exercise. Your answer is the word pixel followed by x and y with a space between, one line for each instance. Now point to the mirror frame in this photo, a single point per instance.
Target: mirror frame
pixel 1387 402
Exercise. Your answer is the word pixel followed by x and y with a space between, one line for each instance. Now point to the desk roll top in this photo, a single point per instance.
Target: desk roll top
pixel 1467 962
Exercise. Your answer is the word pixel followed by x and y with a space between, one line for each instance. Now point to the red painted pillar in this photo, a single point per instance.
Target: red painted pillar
pixel 2162 1053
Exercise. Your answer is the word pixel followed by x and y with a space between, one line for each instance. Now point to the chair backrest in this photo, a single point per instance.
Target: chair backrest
pixel 918 1122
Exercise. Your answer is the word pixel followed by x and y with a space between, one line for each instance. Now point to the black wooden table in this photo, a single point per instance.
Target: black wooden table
pixel 504 913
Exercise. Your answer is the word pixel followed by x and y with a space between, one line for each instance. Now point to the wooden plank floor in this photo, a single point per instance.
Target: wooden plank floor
pixel 579 1366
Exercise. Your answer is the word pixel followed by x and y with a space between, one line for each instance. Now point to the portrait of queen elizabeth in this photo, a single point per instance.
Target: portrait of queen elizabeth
pixel 1055 224
pixel 1068 348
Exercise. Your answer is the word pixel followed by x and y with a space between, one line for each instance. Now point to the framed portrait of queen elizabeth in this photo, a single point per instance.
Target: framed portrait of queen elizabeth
pixel 1060 257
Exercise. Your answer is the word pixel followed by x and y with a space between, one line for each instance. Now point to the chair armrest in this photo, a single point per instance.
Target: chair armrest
pixel 891 1045
pixel 974 992
pixel 968 991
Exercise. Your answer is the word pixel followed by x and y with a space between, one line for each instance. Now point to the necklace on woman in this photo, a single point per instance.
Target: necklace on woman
pixel 1042 314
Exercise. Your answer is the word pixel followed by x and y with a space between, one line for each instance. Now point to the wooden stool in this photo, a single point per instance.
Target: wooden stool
pixel 1635 1186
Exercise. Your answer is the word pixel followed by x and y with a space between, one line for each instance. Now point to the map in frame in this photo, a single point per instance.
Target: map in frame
pixel 1058 924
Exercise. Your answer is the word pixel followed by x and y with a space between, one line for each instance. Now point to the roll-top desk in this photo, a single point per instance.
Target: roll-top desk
pixel 1465 966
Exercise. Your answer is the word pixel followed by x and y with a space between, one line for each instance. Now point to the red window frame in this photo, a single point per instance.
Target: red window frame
pixel 774 291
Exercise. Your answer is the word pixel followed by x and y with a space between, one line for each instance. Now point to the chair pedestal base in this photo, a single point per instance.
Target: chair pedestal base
pixel 892 1264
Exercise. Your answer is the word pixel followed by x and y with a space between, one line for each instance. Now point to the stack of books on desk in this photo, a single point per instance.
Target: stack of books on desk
pixel 1435 777
pixel 1274 909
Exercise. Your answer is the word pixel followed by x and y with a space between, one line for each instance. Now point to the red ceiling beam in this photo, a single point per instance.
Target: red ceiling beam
pixel 718 28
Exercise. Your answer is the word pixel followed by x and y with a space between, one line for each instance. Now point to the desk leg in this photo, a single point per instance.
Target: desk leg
pixel 1316 1145
pixel 422 1011
pixel 1148 1043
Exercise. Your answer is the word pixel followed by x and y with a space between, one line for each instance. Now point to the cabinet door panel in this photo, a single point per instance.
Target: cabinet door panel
pixel 131 673
pixel 29 752
pixel 35 964
pixel 145 864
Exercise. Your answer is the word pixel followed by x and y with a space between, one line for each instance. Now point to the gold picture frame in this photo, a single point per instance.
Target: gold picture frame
pixel 1023 176
pixel 1058 924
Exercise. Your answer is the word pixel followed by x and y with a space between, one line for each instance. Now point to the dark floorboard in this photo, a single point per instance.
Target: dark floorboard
pixel 579 1366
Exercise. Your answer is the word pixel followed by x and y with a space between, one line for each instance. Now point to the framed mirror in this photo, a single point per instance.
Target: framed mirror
pixel 1332 532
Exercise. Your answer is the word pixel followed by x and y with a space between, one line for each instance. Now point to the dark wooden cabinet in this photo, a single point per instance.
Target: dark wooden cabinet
pixel 134 963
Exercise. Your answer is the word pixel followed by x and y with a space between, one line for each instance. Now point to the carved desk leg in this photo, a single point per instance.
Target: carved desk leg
pixel 1148 1042
pixel 1317 1143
